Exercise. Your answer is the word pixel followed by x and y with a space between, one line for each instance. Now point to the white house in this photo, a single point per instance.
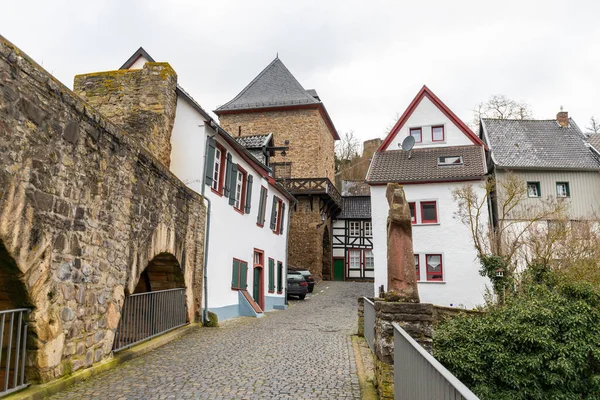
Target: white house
pixel 446 155
pixel 248 211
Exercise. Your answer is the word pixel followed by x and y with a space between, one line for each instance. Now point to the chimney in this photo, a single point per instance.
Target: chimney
pixel 562 118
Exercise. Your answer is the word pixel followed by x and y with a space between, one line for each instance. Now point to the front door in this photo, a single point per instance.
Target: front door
pixel 338 269
pixel 257 292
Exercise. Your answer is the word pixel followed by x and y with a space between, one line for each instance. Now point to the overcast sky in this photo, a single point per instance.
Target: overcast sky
pixel 367 60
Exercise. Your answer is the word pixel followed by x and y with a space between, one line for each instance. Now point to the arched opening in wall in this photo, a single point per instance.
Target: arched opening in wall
pixel 156 306
pixel 326 254
pixel 14 328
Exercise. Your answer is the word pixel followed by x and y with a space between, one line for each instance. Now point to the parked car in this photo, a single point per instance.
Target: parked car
pixel 297 286
pixel 307 275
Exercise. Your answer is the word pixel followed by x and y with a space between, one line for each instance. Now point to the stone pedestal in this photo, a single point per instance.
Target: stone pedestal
pixel 361 316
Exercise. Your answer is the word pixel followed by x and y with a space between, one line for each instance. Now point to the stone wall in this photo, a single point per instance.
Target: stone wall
pixel 83 210
pixel 141 102
pixel 311 143
pixel 305 245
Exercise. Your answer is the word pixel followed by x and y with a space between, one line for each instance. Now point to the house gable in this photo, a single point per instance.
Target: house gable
pixel 427 111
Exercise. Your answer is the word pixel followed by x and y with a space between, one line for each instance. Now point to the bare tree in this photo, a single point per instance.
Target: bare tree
pixel 348 147
pixel 391 123
pixel 594 126
pixel 499 106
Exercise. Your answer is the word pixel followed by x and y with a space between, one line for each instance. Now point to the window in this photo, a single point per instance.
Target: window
pixel 217 184
pixel 429 212
pixel 259 257
pixel 434 267
pixel 262 207
pixel 271 275
pixel 239 274
pixel 416 133
pixel 354 259
pixel 450 160
pixel 369 260
pixel 533 189
pixel 417 267
pixel 413 212
pixel 279 277
pixel 437 133
pixel 354 228
pixel 282 170
pixel 239 190
pixel 368 228
pixel 277 215
pixel 562 189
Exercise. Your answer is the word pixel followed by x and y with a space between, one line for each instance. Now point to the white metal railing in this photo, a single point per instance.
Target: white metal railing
pixel 369 322
pixel 419 376
pixel 13 343
pixel 149 314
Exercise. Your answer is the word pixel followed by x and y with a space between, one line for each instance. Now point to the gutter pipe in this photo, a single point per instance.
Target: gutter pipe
pixel 207 234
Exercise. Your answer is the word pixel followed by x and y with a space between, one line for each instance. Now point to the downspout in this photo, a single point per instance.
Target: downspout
pixel 287 242
pixel 207 235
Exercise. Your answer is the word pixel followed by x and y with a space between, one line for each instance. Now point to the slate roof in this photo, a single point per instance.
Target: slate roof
pixel 355 207
pixel 274 86
pixel 594 140
pixel 395 166
pixel 254 142
pixel 536 144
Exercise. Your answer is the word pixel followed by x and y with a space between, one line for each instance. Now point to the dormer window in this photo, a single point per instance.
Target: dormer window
pixel 416 133
pixel 437 133
pixel 452 160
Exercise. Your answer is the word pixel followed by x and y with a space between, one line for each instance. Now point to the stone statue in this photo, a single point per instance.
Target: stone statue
pixel 402 279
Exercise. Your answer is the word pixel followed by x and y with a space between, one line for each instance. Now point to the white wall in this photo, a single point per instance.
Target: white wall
pixel 426 115
pixel 462 283
pixel 232 234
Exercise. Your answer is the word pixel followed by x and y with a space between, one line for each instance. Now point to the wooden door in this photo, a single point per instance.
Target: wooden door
pixel 257 292
pixel 338 269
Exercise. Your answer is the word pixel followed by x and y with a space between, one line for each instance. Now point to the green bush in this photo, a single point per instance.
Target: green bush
pixel 543 344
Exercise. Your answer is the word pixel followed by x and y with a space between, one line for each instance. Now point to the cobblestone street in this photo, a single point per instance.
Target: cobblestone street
pixel 302 353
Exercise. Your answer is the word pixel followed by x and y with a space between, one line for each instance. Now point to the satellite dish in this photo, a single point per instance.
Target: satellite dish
pixel 408 143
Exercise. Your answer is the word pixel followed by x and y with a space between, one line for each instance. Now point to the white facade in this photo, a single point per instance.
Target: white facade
pixel 234 234
pixel 461 284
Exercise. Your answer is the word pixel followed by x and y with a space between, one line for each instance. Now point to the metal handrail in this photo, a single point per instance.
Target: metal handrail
pixel 14 362
pixel 418 375
pixel 369 323
pixel 150 314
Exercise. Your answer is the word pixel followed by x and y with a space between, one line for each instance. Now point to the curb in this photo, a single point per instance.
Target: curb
pixel 42 391
pixel 367 389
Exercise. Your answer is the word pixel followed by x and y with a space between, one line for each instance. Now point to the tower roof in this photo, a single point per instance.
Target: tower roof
pixel 275 86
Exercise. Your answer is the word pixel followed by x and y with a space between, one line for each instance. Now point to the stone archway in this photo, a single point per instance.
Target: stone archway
pixel 326 259
pixel 157 304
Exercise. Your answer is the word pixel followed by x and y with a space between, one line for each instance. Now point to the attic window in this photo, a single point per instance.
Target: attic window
pixel 454 160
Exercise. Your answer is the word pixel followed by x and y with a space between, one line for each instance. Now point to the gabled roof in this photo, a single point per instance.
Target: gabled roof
pixel 260 167
pixel 594 141
pixel 274 88
pixel 355 207
pixel 422 166
pixel 426 92
pixel 537 144
pixel 255 141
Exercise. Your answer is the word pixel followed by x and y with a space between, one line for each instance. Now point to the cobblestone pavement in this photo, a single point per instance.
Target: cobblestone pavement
pixel 302 353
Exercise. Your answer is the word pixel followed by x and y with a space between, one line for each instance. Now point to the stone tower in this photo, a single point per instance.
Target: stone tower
pixel 275 102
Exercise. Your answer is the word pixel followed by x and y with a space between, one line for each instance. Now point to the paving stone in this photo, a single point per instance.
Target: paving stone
pixel 303 352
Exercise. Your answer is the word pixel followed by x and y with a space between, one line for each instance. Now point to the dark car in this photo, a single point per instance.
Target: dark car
pixel 297 286
pixel 307 276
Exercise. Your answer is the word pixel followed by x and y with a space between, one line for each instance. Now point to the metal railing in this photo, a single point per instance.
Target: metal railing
pixel 419 376
pixel 146 315
pixel 13 343
pixel 369 322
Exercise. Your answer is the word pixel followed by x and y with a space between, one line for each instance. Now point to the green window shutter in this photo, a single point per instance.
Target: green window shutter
pixel 279 276
pixel 210 161
pixel 248 195
pixel 232 182
pixel 243 275
pixel 227 174
pixel 271 275
pixel 282 217
pixel 264 209
pixel 235 276
pixel 260 219
pixel 274 213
